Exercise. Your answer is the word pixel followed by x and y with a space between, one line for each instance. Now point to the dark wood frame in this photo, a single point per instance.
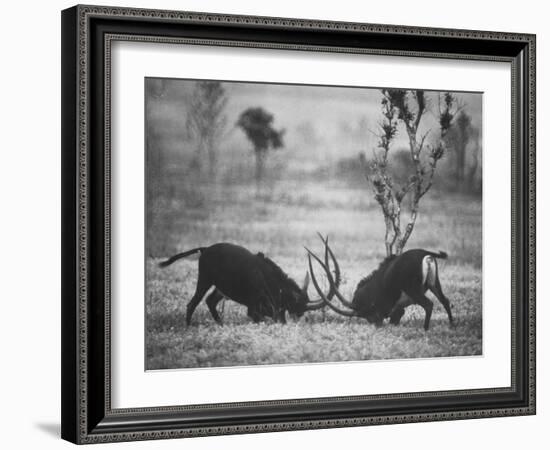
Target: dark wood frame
pixel 87 32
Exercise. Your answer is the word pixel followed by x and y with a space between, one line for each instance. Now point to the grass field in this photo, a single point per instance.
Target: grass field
pixel 280 224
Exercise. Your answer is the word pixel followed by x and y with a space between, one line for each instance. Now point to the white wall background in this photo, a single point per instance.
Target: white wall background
pixel 30 224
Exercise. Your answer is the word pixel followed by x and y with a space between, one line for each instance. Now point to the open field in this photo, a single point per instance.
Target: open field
pixel 279 224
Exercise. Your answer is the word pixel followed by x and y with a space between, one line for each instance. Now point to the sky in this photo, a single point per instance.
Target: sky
pixel 321 122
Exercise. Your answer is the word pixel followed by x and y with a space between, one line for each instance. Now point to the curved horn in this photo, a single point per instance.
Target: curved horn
pixel 335 284
pixel 320 303
pixel 305 284
pixel 320 292
pixel 336 266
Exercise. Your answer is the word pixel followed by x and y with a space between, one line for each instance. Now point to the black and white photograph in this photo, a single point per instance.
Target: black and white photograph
pixel 291 224
pixel 275 225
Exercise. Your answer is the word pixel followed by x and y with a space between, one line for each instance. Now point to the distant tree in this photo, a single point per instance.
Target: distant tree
pixel 256 123
pixel 472 180
pixel 308 134
pixel 406 107
pixel 157 185
pixel 206 120
pixel 155 91
pixel 458 138
pixel 352 133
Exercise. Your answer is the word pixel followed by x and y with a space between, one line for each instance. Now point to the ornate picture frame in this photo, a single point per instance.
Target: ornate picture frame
pixel 88 33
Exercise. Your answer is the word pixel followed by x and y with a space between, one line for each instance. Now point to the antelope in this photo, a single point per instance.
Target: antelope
pixel 399 281
pixel 253 280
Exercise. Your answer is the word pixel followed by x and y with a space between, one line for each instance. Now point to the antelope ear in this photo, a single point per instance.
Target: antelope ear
pixel 306 282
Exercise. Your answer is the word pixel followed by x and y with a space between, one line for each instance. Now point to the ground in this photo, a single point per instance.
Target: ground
pixel 280 223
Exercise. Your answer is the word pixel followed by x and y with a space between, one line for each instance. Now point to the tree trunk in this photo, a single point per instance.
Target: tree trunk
pixel 459 167
pixel 472 182
pixel 463 166
pixel 196 160
pixel 211 160
pixel 260 163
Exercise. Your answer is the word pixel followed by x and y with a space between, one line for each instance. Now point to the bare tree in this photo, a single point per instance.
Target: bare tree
pixel 406 107
pixel 206 120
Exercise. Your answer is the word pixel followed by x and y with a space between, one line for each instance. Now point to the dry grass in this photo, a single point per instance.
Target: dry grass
pixel 280 224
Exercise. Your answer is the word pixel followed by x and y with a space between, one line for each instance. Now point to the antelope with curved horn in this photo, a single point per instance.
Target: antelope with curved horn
pixel 399 281
pixel 253 280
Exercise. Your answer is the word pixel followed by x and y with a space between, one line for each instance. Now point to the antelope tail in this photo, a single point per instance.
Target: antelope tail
pixel 441 254
pixel 174 258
